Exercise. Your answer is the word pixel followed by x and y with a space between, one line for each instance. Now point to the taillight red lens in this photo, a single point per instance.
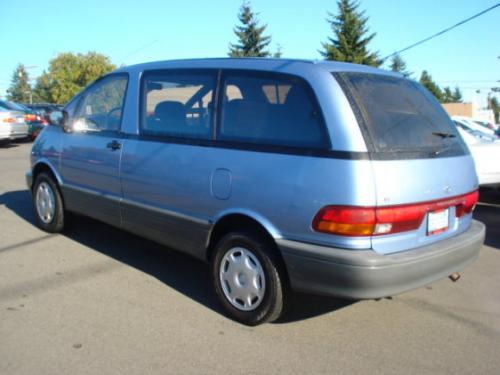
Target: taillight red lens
pixel 29 117
pixel 469 203
pixel 345 220
pixel 370 221
pixel 8 119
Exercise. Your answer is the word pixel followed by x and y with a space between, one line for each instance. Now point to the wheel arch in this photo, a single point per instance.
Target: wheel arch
pixel 243 220
pixel 44 165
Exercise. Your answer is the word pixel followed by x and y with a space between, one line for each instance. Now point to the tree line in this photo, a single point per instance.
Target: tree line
pixel 69 73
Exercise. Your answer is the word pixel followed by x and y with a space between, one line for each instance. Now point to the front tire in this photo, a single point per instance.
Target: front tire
pixel 48 204
pixel 248 278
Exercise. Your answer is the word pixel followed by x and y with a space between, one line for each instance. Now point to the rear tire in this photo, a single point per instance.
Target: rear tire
pixel 248 278
pixel 48 204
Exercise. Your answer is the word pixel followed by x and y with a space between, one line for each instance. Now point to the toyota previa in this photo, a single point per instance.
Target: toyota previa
pixel 320 177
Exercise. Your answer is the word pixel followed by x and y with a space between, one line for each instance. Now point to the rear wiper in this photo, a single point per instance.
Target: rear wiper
pixel 444 135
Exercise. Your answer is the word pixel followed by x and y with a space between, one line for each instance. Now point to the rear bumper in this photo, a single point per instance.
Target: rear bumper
pixel 365 274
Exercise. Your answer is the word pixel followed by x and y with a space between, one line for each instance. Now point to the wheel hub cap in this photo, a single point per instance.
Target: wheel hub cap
pixel 242 279
pixel 45 202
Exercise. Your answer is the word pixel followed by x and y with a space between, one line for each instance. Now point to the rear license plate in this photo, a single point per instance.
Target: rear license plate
pixel 437 221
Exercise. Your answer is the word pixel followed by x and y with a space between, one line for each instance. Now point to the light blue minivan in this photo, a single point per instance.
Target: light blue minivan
pixel 321 177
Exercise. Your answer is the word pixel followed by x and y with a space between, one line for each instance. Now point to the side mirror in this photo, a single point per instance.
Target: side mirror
pixel 59 118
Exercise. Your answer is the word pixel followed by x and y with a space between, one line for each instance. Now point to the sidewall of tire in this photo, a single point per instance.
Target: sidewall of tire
pixel 57 222
pixel 272 304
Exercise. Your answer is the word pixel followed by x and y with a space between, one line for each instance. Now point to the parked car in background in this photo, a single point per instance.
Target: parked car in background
pixel 36 122
pixel 44 109
pixel 12 125
pixel 486 124
pixel 486 155
pixel 475 129
pixel 315 176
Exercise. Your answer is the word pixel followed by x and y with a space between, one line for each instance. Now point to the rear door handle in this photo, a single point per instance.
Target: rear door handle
pixel 114 145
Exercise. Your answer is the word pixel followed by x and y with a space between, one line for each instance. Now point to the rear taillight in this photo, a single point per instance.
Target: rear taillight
pixel 8 119
pixel 44 122
pixel 346 220
pixel 29 117
pixel 372 221
pixel 468 204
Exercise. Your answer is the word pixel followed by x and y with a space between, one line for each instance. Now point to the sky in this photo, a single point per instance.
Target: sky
pixel 32 32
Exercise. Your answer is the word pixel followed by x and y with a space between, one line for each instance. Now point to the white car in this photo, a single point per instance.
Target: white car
pixel 12 125
pixel 486 155
pixel 475 129
pixel 487 125
pixel 467 124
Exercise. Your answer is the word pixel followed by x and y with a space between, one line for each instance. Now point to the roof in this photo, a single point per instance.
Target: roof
pixel 257 63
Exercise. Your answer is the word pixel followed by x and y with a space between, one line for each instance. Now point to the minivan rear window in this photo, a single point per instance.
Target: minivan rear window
pixel 399 117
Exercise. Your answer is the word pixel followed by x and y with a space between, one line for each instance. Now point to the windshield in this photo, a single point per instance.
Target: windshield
pixel 399 116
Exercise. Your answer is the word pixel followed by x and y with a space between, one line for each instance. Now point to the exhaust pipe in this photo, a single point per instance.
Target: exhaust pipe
pixel 454 277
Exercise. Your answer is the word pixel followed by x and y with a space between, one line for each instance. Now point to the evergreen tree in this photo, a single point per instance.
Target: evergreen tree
pixel 350 40
pixel 20 89
pixel 447 95
pixel 426 80
pixel 457 95
pixel 399 65
pixel 279 51
pixel 251 41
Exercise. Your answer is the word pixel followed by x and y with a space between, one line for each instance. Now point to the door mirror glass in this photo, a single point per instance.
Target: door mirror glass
pixel 58 118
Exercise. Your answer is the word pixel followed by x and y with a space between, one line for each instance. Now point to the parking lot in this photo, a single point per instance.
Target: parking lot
pixel 98 300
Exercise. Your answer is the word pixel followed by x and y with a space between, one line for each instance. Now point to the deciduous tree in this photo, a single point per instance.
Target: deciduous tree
pixel 68 74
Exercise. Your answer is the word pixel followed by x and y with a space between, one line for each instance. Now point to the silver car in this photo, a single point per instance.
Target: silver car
pixel 12 125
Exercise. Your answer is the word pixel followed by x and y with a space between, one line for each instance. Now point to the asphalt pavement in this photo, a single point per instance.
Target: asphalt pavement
pixel 98 300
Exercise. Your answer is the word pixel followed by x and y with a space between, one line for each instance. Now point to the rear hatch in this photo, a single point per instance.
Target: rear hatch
pixel 423 171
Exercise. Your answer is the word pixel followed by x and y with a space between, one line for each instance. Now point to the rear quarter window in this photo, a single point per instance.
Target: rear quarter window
pixel 270 109
pixel 399 118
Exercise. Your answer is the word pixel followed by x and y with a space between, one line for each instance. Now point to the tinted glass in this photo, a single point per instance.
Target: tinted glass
pixel 272 110
pixel 178 104
pixel 101 105
pixel 400 115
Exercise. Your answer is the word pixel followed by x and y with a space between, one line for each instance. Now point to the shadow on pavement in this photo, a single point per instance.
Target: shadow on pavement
pixel 8 145
pixel 185 274
pixel 19 202
pixel 488 211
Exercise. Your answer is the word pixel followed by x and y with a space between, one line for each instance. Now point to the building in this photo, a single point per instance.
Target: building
pixel 469 109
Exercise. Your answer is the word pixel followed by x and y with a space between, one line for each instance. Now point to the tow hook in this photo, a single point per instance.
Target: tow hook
pixel 454 277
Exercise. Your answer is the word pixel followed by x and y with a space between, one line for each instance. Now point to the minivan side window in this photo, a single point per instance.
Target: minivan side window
pixel 100 107
pixel 177 104
pixel 271 109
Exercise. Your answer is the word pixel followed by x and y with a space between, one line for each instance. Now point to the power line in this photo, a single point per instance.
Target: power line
pixel 139 50
pixel 468 81
pixel 443 31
